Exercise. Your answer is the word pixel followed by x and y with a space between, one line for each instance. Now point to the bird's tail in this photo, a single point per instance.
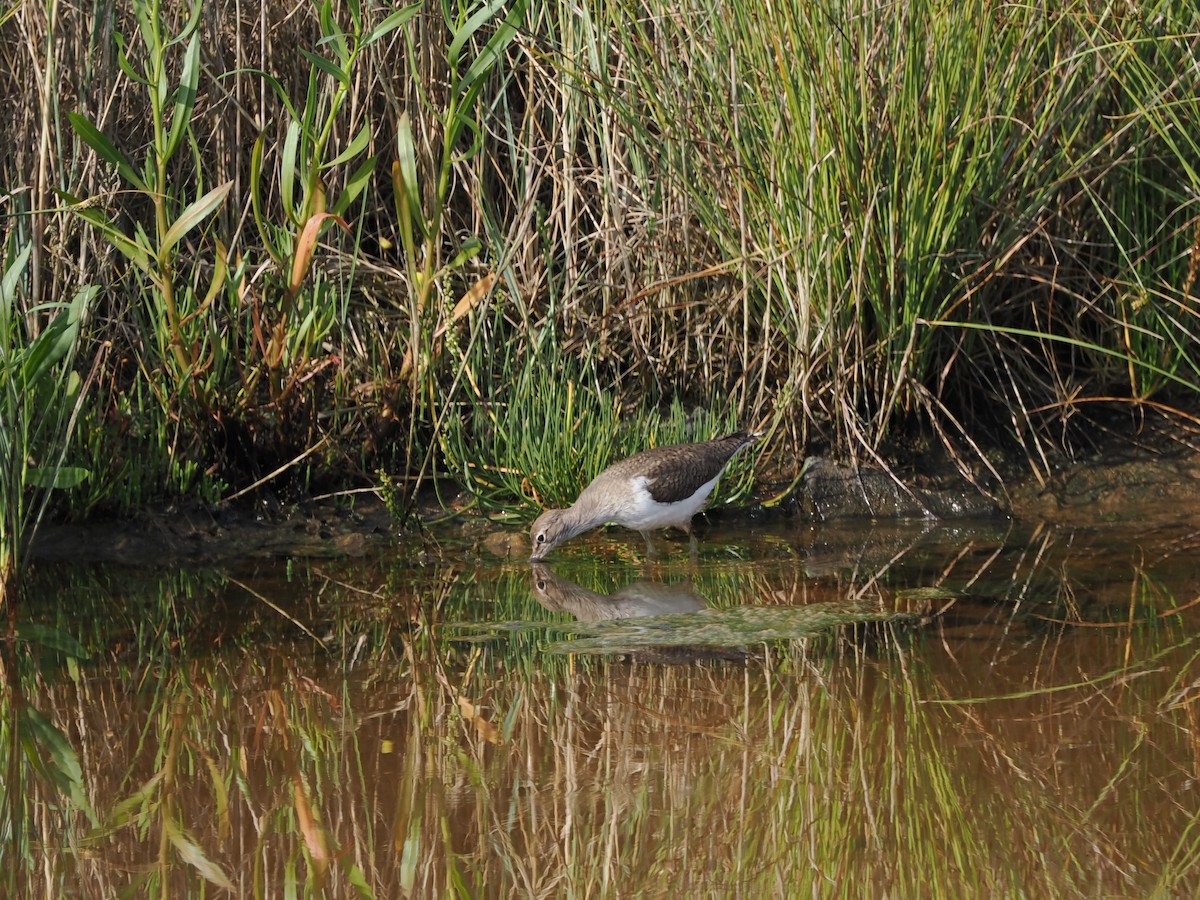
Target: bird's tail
pixel 742 439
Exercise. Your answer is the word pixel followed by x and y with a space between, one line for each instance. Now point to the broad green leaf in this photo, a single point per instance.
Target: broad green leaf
pixel 404 215
pixel 185 94
pixel 220 794
pixel 66 768
pixel 161 85
pixel 12 277
pixel 220 270
pixel 410 856
pixel 494 49
pixel 256 187
pixel 64 477
pixel 407 160
pixel 124 64
pixel 287 170
pixel 273 84
pixel 510 720
pixel 193 20
pixel 314 101
pixel 56 340
pixel 469 250
pixel 358 881
pixel 390 24
pixel 354 186
pixel 465 118
pixel 352 150
pixel 330 30
pixel 468 29
pixel 136 251
pixel 62 768
pixel 189 851
pixel 105 149
pixel 327 66
pixel 141 14
pixel 195 213
pixel 141 239
pixel 121 813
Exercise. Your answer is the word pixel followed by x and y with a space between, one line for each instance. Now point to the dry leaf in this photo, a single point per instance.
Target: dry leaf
pixel 486 729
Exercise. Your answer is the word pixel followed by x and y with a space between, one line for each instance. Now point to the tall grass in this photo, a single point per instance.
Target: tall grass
pixel 937 200
pixel 40 399
pixel 853 221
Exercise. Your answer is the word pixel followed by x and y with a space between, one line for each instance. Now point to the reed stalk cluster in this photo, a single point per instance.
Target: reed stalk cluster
pixel 459 238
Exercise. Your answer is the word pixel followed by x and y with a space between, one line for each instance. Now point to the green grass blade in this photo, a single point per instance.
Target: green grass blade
pixel 105 149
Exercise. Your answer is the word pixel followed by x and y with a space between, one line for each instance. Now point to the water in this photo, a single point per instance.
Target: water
pixel 967 710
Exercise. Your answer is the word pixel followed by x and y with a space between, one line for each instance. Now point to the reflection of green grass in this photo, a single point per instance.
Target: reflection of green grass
pixel 218 743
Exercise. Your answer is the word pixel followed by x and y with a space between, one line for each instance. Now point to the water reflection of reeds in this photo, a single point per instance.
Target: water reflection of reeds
pixel 1015 744
pixel 631 779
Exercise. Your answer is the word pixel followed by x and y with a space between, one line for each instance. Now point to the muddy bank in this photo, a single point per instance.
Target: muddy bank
pixel 1147 489
pixel 166 536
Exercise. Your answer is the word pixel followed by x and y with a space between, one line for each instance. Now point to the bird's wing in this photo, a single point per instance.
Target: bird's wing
pixel 674 474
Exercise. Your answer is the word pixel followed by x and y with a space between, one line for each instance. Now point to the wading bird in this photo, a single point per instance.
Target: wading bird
pixel 654 489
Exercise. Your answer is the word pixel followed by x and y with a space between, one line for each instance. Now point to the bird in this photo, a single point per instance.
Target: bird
pixel 657 488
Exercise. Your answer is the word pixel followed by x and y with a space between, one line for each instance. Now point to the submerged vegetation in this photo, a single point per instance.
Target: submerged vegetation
pixel 352 238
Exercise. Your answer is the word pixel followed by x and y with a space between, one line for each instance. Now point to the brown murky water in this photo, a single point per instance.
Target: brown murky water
pixel 900 710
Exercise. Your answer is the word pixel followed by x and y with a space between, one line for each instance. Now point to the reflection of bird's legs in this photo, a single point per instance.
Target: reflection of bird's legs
pixel 649 545
pixel 648 566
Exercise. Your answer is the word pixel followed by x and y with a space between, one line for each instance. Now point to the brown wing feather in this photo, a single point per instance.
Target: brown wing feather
pixel 677 472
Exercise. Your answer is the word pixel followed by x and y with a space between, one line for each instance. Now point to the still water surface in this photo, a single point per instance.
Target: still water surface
pixel 852 710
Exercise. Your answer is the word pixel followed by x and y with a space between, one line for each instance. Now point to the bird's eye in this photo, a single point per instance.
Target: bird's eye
pixel 541 538
pixel 541 585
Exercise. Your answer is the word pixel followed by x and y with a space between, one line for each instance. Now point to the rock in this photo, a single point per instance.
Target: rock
pixel 830 491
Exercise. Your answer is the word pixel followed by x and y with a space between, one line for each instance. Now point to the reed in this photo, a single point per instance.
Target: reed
pixel 176 302
pixel 893 178
pixel 41 395
pixel 855 222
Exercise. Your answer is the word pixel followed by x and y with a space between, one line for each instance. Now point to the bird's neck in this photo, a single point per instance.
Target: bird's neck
pixel 586 515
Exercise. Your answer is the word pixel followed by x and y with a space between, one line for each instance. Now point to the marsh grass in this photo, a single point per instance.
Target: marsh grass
pixel 41 396
pixel 910 183
pixel 852 222
pixel 532 432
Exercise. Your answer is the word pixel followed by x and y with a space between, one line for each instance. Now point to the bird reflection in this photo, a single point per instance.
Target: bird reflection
pixel 642 598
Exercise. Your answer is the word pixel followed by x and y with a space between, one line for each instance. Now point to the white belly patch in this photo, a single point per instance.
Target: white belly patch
pixel 645 513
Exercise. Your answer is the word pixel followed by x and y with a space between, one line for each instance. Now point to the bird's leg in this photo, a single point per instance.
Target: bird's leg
pixel 649 546
pixel 693 550
pixel 648 565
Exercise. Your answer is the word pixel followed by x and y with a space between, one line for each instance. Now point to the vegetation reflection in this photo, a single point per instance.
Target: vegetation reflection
pixel 271 731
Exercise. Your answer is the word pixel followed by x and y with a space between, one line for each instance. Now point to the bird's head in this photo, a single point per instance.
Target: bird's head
pixel 550 530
